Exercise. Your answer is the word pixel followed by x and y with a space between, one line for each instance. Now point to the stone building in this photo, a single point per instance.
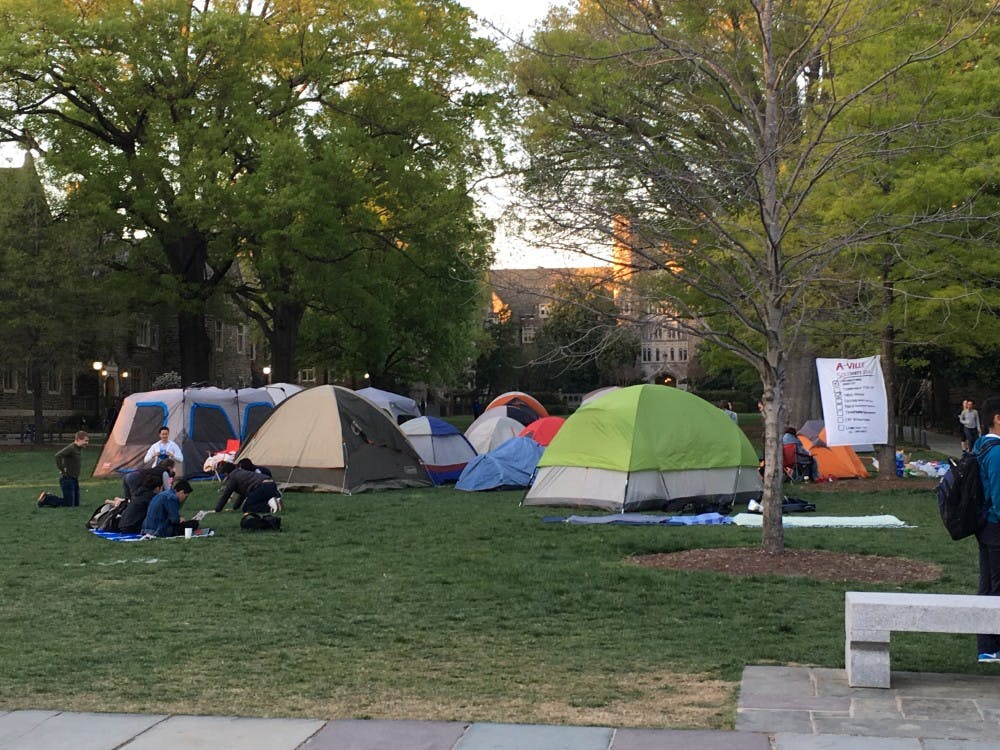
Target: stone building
pixel 524 296
pixel 114 358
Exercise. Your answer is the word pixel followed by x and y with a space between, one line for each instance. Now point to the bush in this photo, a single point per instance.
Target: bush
pixel 166 380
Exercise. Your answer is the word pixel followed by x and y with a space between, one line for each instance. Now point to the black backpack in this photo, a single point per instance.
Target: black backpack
pixel 961 499
pixel 107 516
pixel 257 522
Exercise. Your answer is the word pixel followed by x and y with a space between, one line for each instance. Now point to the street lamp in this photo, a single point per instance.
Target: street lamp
pixel 98 366
pixel 267 373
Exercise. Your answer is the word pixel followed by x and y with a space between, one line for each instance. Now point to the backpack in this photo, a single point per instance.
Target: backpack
pixel 257 522
pixel 107 516
pixel 961 499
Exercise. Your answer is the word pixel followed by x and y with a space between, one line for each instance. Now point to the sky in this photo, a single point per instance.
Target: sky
pixel 513 18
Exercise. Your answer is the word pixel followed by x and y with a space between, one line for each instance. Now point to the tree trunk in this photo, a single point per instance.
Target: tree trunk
pixel 195 348
pixel 284 333
pixel 887 452
pixel 37 402
pixel 773 535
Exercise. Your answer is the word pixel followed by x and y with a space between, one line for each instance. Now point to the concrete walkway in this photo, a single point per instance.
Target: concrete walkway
pixel 780 708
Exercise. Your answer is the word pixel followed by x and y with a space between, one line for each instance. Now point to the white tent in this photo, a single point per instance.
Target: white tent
pixel 400 408
pixel 490 431
pixel 280 391
pixel 202 421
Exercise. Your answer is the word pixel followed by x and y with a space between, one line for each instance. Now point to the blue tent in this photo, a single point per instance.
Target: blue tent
pixel 443 449
pixel 511 465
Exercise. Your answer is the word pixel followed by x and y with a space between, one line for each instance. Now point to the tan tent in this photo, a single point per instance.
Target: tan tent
pixel 330 439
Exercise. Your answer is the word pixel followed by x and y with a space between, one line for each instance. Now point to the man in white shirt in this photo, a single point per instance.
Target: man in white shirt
pixel 164 448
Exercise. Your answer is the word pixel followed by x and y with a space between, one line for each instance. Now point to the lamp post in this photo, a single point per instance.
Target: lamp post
pixel 267 373
pixel 98 366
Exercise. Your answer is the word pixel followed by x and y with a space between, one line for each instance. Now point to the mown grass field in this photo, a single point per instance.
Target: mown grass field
pixel 429 604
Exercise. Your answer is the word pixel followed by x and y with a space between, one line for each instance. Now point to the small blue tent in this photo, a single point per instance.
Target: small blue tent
pixel 510 465
pixel 443 449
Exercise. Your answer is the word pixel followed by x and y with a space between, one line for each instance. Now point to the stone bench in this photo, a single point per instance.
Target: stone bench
pixel 869 618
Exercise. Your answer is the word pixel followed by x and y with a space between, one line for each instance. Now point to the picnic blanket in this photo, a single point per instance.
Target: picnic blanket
pixel 862 522
pixel 117 536
pixel 643 519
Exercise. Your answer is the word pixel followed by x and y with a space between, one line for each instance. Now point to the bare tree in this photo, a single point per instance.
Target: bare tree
pixel 719 136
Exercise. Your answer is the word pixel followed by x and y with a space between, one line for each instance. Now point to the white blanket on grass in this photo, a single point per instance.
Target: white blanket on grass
pixel 851 522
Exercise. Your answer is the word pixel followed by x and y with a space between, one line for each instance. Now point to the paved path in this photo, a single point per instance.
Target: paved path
pixel 780 708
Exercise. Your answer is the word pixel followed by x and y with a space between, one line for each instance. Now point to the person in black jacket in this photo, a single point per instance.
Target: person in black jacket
pixel 255 491
pixel 149 485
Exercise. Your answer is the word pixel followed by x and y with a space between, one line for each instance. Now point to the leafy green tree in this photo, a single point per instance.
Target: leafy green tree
pixel 389 253
pixel 711 129
pixel 156 115
pixel 925 286
pixel 51 299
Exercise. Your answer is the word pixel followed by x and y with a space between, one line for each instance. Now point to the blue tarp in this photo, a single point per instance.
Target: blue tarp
pixel 512 464
pixel 644 519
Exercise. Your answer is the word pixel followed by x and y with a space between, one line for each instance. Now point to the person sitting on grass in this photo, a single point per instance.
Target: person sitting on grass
pixel 164 518
pixel 255 491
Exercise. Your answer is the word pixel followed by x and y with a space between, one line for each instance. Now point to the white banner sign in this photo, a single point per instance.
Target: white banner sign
pixel 855 410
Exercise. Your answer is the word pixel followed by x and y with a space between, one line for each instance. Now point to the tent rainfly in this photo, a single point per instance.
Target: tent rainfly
pixel 400 408
pixel 511 465
pixel 491 429
pixel 647 447
pixel 521 400
pixel 330 439
pixel 443 449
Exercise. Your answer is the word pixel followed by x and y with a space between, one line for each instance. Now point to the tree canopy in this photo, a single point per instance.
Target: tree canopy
pixel 253 147
pixel 718 133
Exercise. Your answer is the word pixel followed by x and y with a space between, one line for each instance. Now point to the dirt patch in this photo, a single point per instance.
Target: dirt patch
pixel 821 565
pixel 863 485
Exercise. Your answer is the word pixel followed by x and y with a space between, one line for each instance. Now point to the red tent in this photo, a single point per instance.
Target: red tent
pixel 543 430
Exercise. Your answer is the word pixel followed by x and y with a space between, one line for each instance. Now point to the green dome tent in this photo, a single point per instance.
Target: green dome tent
pixel 647 447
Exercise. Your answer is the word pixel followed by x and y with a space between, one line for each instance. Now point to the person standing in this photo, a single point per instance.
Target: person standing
pixel 163 449
pixel 727 407
pixel 989 536
pixel 164 518
pixel 969 419
pixel 68 461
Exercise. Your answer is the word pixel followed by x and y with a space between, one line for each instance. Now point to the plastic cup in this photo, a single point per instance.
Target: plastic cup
pixel 188 533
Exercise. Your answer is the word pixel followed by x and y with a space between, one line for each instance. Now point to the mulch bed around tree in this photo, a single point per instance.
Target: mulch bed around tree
pixel 821 565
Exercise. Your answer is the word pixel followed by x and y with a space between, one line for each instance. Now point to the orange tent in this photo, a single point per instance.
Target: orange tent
pixel 517 398
pixel 838 461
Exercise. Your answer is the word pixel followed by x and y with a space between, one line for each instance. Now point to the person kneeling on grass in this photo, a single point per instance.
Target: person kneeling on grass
pixel 255 491
pixel 164 515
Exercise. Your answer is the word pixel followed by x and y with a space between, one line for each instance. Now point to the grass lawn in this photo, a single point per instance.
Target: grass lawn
pixel 430 604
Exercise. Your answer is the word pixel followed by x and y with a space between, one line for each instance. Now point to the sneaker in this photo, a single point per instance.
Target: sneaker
pixel 274 504
pixel 987 658
pixel 754 507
